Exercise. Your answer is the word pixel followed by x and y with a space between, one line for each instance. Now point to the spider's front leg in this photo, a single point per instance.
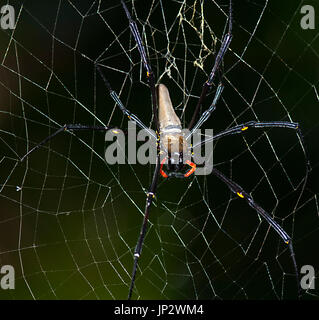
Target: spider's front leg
pixel 139 246
pixel 240 192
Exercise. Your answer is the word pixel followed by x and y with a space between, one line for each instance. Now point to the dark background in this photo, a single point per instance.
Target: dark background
pixel 71 230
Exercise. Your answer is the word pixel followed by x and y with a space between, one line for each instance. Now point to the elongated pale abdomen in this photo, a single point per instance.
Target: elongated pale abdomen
pixel 172 138
pixel 166 114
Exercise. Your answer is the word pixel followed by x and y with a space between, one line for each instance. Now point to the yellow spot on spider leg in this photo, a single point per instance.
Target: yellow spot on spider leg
pixel 244 128
pixel 192 149
pixel 240 194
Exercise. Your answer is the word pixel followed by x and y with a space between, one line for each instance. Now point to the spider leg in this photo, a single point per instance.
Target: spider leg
pixel 205 115
pixel 147 66
pixel 149 199
pixel 237 189
pixel 119 103
pixel 218 61
pixel 67 127
pixel 78 127
pixel 242 128
pixel 256 124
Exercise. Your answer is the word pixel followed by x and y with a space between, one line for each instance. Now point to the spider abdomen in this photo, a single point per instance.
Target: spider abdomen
pixel 173 142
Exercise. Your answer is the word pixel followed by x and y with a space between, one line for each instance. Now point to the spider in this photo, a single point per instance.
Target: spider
pixel 173 145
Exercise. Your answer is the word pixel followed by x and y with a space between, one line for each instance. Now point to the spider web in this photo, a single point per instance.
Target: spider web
pixel 69 221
